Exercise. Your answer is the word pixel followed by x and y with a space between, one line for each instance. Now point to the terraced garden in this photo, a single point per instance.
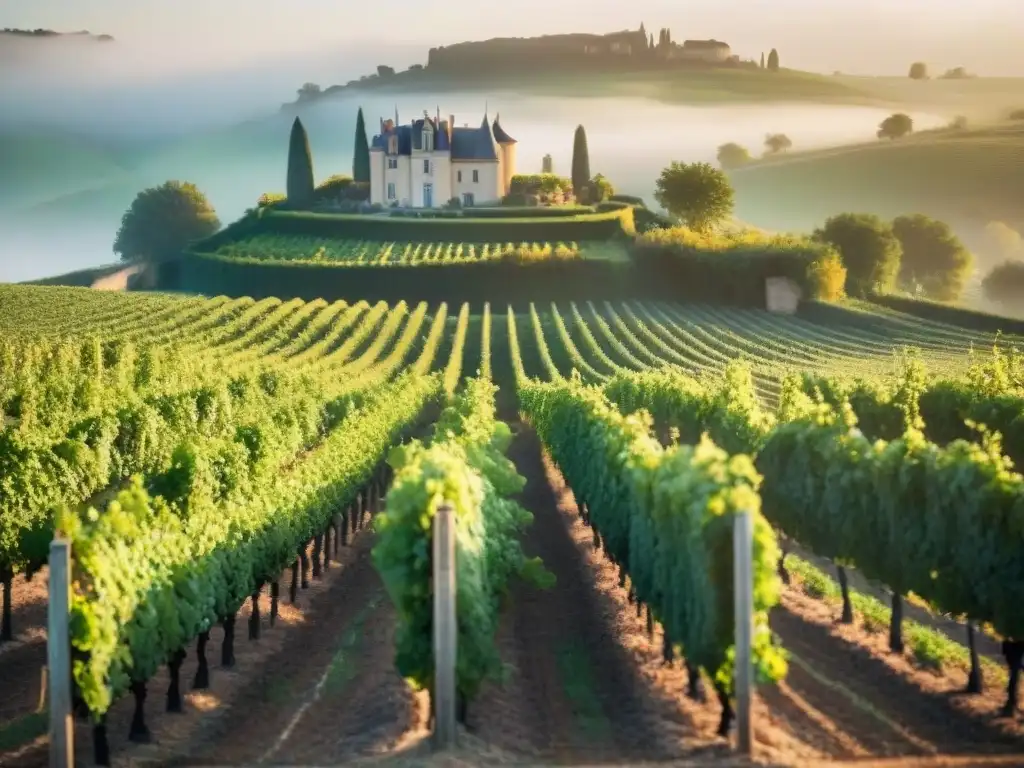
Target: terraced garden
pixel 260 434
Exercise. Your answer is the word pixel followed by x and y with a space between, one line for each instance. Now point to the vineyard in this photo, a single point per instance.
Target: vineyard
pixel 202 453
pixel 312 250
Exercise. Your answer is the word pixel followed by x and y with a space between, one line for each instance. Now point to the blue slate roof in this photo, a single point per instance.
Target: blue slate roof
pixel 499 132
pixel 464 143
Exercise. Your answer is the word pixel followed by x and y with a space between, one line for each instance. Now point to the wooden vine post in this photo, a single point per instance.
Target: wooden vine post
pixel 58 652
pixel 743 579
pixel 445 627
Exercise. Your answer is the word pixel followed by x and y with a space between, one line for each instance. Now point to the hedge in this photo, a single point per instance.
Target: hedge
pixel 945 313
pixel 474 282
pixel 733 269
pixel 529 212
pixel 582 228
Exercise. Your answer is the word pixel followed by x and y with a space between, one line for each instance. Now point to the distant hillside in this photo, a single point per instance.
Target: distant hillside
pixel 968 177
pixel 49 34
pixel 622 63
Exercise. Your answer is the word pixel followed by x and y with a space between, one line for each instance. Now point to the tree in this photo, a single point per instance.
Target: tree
pixel 773 60
pixel 650 43
pixel 933 256
pixel 600 189
pixel 385 71
pixel 762 59
pixel 896 126
pixel 1005 284
pixel 300 168
pixel 698 193
pixel 361 155
pixel 309 91
pixel 918 71
pixel 580 163
pixel 869 249
pixel 547 164
pixel 776 142
pixel 163 220
pixel 732 155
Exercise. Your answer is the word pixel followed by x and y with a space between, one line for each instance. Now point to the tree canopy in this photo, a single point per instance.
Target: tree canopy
pixel 361 154
pixel 773 61
pixel 163 220
pixel 1005 284
pixel 732 155
pixel 918 71
pixel 776 142
pixel 580 163
pixel 896 126
pixel 869 249
pixel 697 193
pixel 933 256
pixel 300 168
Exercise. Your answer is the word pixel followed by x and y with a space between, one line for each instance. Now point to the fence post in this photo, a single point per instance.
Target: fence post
pixel 58 651
pixel 445 627
pixel 744 597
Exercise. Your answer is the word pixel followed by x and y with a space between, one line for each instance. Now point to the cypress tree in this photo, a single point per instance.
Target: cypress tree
pixel 762 59
pixel 361 156
pixel 773 60
pixel 651 43
pixel 580 163
pixel 300 168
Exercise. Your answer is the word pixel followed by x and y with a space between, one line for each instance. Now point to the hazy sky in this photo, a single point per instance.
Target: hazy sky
pixel 868 36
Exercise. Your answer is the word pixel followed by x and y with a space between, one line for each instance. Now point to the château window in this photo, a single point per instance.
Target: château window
pixel 428 141
pixel 392 162
pixel 476 176
pixel 426 167
pixel 393 145
pixel 391 190
pixel 460 176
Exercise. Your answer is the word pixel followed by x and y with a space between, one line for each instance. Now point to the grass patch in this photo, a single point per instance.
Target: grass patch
pixel 23 730
pixel 929 648
pixel 343 664
pixel 578 682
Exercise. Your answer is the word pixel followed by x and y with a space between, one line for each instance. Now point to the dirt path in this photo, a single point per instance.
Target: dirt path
pixel 22 660
pixel 332 693
pixel 574 693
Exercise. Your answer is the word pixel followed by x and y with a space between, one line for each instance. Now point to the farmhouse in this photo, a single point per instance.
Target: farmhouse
pixel 710 51
pixel 429 161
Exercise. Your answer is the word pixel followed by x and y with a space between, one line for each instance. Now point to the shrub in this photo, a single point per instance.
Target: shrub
pixel 1017 114
pixel 869 250
pixel 732 155
pixel 739 263
pixel 933 256
pixel 896 126
pixel 548 187
pixel 697 193
pixel 600 189
pixel 918 71
pixel 269 199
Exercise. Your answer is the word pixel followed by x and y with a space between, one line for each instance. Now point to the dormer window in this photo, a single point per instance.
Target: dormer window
pixel 393 145
pixel 428 140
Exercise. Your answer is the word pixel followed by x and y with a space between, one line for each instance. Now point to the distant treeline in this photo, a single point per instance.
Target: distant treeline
pixel 49 33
